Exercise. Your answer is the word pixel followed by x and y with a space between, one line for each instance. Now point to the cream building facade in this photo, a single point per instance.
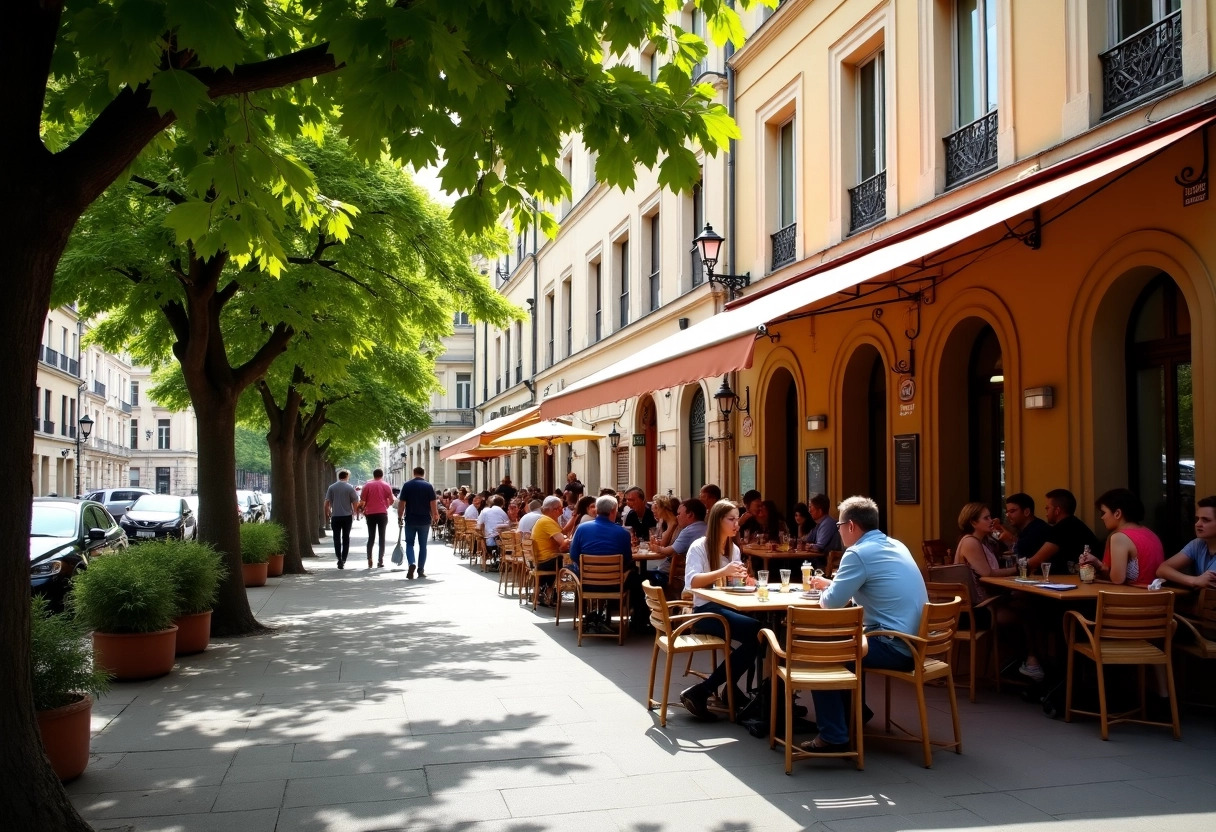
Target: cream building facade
pixel 163 444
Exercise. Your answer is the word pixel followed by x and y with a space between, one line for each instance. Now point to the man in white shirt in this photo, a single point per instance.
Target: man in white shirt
pixel 529 520
pixel 474 509
pixel 490 519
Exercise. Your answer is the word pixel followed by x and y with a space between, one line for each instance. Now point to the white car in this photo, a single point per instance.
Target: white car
pixel 117 500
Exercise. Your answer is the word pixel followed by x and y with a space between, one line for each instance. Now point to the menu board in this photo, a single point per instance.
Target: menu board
pixel 907 469
pixel 747 473
pixel 816 471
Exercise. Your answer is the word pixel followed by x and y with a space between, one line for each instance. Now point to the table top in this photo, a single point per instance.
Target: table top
pixel 1083 592
pixel 749 603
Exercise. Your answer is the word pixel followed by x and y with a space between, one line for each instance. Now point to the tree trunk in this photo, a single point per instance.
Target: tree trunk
pixel 282 441
pixel 30 793
pixel 304 498
pixel 325 473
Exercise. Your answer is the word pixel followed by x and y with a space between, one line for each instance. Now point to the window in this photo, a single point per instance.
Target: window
pixel 464 392
pixel 597 285
pixel 785 174
pixel 568 312
pixel 63 415
pixel 72 411
pixel 498 355
pixel 976 38
pixel 37 398
pixel 698 29
pixel 519 248
pixel 552 325
pixel 592 157
pixel 134 477
pixel 519 353
pixel 460 319
pixel 1133 16
pixel 871 119
pixel 135 434
pixel 63 343
pixel 162 435
pixel 650 64
pixel 506 359
pixel 698 224
pixel 623 265
pixel 568 173
pixel 1146 57
pixel 654 262
pixel 162 480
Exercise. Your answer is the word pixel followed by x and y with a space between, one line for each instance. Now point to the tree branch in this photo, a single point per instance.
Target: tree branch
pixel 257 366
pixel 156 187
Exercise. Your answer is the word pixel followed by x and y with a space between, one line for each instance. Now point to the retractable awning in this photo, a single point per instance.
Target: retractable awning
pixel 490 431
pixel 725 342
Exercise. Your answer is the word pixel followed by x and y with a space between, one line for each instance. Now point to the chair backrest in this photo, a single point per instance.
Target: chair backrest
pixel 833 563
pixel 1141 615
pixel 938 623
pixel 656 602
pixel 936 552
pixel 820 636
pixel 957 573
pixel 508 543
pixel 675 578
pixel 941 592
pixel 601 570
pixel 1204 613
pixel 525 546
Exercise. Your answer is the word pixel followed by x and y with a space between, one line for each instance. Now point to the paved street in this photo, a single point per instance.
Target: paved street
pixel 386 704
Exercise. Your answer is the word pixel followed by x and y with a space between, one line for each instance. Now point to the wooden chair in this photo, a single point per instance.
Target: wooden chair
pixel 675 578
pixel 937 553
pixel 1197 633
pixel 567 581
pixel 1129 629
pixel 532 576
pixel 508 543
pixel 673 634
pixel 818 645
pixel 945 583
pixel 930 648
pixel 601 579
pixel 833 564
pixel 463 543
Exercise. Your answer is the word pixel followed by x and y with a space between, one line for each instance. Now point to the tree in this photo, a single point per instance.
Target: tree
pixel 490 88
pixel 252 453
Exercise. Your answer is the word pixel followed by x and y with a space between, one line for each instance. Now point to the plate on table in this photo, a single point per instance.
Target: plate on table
pixel 741 590
pixel 810 596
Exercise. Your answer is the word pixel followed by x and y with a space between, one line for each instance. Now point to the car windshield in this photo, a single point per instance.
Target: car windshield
pixel 53 521
pixel 157 502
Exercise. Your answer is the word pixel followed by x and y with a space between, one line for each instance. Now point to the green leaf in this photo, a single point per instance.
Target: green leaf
pixel 679 170
pixel 178 92
pixel 189 220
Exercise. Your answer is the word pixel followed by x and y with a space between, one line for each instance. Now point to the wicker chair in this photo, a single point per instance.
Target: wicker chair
pixel 566 582
pixel 532 576
pixel 508 544
pixel 673 634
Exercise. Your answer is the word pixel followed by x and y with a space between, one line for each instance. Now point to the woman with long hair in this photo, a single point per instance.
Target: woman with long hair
pixel 975 547
pixel 664 509
pixel 711 559
pixel 804 526
pixel 585 510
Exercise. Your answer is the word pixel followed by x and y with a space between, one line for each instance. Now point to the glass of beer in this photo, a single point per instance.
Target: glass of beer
pixel 785 580
pixel 762 584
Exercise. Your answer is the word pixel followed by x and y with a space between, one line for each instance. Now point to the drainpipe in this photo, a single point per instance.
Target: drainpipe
pixel 535 294
pixel 730 161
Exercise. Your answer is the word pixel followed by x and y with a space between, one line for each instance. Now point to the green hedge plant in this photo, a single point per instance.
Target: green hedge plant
pixel 257 542
pixel 125 593
pixel 278 537
pixel 196 568
pixel 61 659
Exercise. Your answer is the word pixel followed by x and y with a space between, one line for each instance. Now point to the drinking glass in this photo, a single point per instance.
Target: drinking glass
pixel 785 580
pixel 785 541
pixel 762 584
pixel 1023 568
pixel 1046 567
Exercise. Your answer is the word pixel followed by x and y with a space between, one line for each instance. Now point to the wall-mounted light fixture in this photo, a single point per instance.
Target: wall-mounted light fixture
pixel 817 422
pixel 709 242
pixel 728 400
pixel 1039 398
pixel 660 447
pixel 614 437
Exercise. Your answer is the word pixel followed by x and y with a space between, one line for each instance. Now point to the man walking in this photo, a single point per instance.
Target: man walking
pixel 377 498
pixel 340 501
pixel 417 510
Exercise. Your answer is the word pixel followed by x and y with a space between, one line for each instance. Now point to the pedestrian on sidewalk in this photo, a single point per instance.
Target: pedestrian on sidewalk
pixel 417 509
pixel 340 501
pixel 377 499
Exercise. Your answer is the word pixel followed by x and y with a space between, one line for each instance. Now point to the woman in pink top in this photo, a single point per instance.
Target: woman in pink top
pixel 1133 552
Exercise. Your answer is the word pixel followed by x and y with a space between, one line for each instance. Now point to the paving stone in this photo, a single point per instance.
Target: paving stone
pixel 265 820
pixel 242 797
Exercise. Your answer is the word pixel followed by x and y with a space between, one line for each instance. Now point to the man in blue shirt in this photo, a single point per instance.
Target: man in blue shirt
pixel 417 509
pixel 602 536
pixel 1195 565
pixel 825 537
pixel 690 517
pixel 881 575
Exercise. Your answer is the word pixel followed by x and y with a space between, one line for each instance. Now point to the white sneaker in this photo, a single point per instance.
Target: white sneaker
pixel 1033 671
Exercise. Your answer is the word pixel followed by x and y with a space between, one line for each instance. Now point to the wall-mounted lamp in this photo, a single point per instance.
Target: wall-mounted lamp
pixel 817 422
pixel 728 400
pixel 64 453
pixel 709 243
pixel 1039 398
pixel 683 323
pixel 148 433
pixel 614 437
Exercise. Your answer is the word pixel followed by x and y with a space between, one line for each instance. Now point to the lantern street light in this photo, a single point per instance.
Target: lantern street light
pixel 709 244
pixel 85 427
pixel 728 400
pixel 614 437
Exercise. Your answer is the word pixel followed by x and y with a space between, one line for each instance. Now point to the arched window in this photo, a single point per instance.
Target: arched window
pixel 1160 418
pixel 696 443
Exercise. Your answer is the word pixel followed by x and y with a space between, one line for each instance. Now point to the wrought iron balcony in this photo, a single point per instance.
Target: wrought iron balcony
pixel 971 150
pixel 868 203
pixel 784 249
pixel 48 426
pixel 50 356
pixel 519 372
pixel 452 416
pixel 1142 65
pixel 125 407
pixel 74 367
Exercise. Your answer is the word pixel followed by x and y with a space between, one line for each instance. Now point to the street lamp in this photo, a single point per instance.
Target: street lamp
pixel 82 435
pixel 614 437
pixel 710 244
pixel 728 400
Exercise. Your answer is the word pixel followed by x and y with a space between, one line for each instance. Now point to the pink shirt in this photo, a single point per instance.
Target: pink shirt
pixel 377 496
pixel 1149 555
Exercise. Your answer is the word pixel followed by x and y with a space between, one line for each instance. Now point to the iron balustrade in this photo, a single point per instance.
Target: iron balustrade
pixel 48 426
pixel 125 407
pixel 1143 64
pixel 452 416
pixel 50 356
pixel 971 150
pixel 784 249
pixel 868 202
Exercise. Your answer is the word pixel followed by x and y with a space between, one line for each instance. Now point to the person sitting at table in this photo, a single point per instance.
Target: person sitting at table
pixel 827 535
pixel 709 494
pixel 584 512
pixel 548 543
pixel 458 504
pixel 803 526
pixel 772 524
pixel 529 520
pixel 1067 537
pixel 664 509
pixel 1195 565
pixel 1133 552
pixel 690 519
pixel 749 522
pixel 603 536
pixel 1024 532
pixel 712 558
pixel 514 511
pixel 640 520
pixel 476 502
pixel 880 574
pixel 489 522
pixel 975 548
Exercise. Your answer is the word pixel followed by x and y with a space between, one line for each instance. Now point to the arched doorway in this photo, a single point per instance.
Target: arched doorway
pixel 1160 422
pixel 648 427
pixel 696 444
pixel 971 423
pixel 779 466
pixel 863 414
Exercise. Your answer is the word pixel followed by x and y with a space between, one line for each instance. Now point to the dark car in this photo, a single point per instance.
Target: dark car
pixel 64 536
pixel 158 516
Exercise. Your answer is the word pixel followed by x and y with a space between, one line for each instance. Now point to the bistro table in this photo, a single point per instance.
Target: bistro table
pixel 763 554
pixel 1081 591
pixel 749 604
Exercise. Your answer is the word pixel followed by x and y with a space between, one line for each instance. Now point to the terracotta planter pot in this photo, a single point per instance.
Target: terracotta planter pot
pixel 65 736
pixel 134 656
pixel 255 573
pixel 193 632
pixel 275 565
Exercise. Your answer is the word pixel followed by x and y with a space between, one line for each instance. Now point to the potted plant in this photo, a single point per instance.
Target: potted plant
pixel 196 569
pixel 127 600
pixel 255 553
pixel 65 681
pixel 278 540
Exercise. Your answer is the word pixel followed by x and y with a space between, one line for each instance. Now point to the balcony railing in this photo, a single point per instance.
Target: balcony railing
pixel 452 416
pixel 1144 64
pixel 48 426
pixel 125 407
pixel 99 389
pixel 784 249
pixel 74 367
pixel 50 356
pixel 971 150
pixel 106 446
pixel 868 203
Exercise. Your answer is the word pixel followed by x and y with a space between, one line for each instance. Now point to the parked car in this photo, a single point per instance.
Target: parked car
pixel 252 509
pixel 64 535
pixel 267 498
pixel 192 504
pixel 159 516
pixel 117 500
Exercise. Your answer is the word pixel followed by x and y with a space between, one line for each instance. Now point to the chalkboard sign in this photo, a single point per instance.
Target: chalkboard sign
pixel 907 469
pixel 816 471
pixel 747 473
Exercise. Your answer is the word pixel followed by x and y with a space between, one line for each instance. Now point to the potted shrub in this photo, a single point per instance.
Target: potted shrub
pixel 127 600
pixel 196 569
pixel 255 553
pixel 278 548
pixel 65 681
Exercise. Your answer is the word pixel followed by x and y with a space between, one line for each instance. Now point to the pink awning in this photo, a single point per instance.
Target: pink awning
pixel 490 430
pixel 724 343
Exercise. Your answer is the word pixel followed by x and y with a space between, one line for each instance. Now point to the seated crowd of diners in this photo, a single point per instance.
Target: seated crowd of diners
pixel 701 539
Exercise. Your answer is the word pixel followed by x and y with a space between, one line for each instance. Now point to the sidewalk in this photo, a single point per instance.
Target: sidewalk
pixel 386 704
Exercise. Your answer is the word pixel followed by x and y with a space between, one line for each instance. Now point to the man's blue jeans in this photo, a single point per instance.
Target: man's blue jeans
pixel 423 531
pixel 831 705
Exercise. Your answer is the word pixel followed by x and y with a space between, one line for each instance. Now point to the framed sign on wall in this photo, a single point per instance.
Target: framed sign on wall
pixel 907 469
pixel 747 473
pixel 816 471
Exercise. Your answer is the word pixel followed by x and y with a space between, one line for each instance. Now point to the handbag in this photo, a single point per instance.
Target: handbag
pixel 399 552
